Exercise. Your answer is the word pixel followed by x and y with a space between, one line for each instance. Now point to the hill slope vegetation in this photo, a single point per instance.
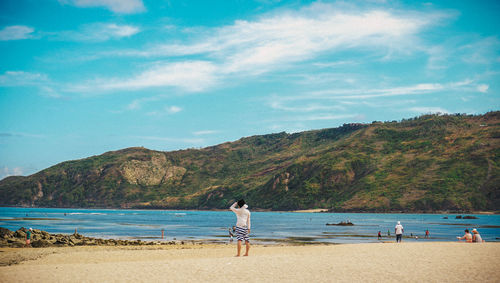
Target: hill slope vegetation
pixel 429 163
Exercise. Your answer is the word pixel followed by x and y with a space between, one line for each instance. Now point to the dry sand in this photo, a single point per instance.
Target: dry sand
pixel 379 262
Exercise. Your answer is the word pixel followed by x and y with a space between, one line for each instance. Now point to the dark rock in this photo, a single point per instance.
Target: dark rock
pixel 16 240
pixel 340 224
pixel 41 244
pixel 20 234
pixel 17 244
pixel 446 217
pixel 470 217
pixel 75 241
pixel 89 242
pixel 5 233
pixel 458 217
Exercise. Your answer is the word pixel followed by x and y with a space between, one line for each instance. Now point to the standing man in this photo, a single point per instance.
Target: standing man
pixel 242 224
pixel 398 230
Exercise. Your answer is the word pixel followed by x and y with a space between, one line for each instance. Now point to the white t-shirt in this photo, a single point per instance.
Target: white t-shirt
pixel 242 215
pixel 478 238
pixel 399 229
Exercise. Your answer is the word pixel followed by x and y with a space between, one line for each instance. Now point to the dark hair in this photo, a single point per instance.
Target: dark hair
pixel 241 203
pixel 466 230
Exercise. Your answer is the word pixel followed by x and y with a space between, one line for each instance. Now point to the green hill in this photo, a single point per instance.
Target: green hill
pixel 429 163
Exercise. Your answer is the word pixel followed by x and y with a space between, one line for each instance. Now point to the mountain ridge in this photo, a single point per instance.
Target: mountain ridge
pixel 428 163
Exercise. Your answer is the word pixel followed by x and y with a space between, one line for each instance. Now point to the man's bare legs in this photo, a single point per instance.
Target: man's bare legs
pixel 247 243
pixel 239 248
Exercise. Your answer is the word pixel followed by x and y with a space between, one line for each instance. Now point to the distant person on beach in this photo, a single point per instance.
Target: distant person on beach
pixel 398 230
pixel 28 237
pixel 427 233
pixel 388 233
pixel 467 236
pixel 242 224
pixel 476 238
pixel 379 235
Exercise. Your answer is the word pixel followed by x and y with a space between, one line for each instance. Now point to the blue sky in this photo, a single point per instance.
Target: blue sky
pixel 82 77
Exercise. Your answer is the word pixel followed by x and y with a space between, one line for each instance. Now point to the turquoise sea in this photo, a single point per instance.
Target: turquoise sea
pixel 267 227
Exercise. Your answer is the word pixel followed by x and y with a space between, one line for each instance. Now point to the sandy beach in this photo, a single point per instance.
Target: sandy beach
pixel 407 262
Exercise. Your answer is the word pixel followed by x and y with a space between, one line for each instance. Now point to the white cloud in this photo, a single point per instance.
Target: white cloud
pixel 134 105
pixel 20 135
pixel 173 109
pixel 296 37
pixel 428 110
pixel 28 79
pixel 275 41
pixel 205 132
pixel 256 46
pixel 325 78
pixel 438 57
pixel 116 6
pixel 16 32
pixel 324 103
pixel 334 64
pixel 48 91
pixel 21 78
pixel 481 51
pixel 98 32
pixel 483 88
pixel 418 89
pixel 6 172
pixel 165 110
pixel 190 76
pixel 469 49
pixel 137 104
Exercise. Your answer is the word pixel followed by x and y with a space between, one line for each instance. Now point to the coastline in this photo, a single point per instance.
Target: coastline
pixel 309 210
pixel 408 262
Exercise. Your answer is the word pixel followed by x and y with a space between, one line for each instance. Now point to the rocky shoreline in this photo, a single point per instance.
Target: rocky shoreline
pixel 40 239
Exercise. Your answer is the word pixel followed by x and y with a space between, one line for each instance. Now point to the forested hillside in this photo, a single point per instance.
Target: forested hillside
pixel 429 163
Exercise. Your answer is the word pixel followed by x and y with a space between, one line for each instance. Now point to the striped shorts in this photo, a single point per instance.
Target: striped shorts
pixel 242 234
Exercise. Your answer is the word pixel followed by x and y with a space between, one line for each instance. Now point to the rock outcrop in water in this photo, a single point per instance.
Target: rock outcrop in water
pixel 342 223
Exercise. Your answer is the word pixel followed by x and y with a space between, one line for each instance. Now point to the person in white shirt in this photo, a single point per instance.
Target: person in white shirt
pixel 398 230
pixel 476 237
pixel 242 224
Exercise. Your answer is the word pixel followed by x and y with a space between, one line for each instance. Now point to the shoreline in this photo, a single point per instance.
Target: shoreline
pixel 310 210
pixel 408 262
pixel 44 239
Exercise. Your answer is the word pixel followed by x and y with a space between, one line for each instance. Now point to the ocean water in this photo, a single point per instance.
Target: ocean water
pixel 267 227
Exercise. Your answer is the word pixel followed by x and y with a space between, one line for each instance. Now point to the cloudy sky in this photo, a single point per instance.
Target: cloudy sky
pixel 82 77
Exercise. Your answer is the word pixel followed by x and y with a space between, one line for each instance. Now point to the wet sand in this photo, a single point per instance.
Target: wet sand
pixel 387 262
